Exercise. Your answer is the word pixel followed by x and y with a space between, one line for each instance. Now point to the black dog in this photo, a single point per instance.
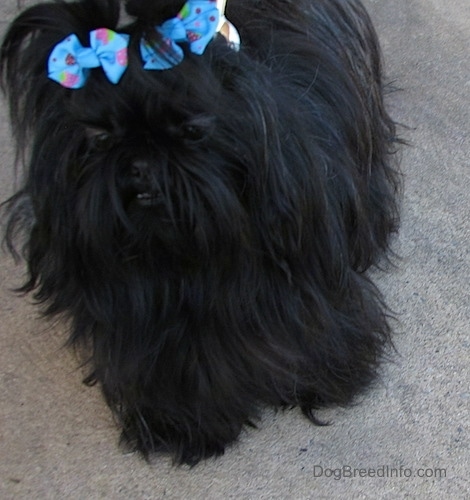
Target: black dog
pixel 204 213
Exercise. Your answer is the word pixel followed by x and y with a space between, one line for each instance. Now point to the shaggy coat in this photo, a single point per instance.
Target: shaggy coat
pixel 206 230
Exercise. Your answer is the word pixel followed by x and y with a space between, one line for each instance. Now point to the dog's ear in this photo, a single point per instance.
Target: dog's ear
pixel 27 45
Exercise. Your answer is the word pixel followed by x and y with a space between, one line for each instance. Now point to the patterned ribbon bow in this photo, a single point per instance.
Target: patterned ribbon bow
pixel 69 63
pixel 195 24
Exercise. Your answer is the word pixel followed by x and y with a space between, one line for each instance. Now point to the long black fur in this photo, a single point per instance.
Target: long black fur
pixel 207 229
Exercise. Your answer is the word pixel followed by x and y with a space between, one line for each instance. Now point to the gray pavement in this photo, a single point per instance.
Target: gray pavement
pixel 58 440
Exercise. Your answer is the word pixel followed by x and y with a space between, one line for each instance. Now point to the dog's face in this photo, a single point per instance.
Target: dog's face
pixel 149 157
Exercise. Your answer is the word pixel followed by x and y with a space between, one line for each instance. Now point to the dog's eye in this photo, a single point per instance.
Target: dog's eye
pixel 99 139
pixel 193 133
pixel 102 141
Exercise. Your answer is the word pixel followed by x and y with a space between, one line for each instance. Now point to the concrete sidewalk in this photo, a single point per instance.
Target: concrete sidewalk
pixel 58 440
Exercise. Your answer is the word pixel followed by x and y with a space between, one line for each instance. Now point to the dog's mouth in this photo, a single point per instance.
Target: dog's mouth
pixel 147 199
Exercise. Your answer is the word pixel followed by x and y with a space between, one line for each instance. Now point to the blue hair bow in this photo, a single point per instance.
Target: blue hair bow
pixel 195 24
pixel 69 63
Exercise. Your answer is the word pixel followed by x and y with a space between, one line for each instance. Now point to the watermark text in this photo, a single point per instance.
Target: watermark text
pixel 383 471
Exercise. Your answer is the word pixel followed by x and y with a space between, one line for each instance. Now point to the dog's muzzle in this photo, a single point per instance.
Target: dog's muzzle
pixel 148 194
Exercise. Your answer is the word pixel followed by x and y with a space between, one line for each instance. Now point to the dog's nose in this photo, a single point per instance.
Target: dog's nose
pixel 140 169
